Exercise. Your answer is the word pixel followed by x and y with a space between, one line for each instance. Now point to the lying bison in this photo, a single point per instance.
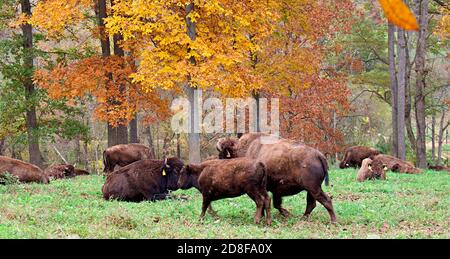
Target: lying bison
pixel 366 171
pixel 291 168
pixel 60 171
pixel 143 180
pixel 219 179
pixel 123 155
pixel 354 156
pixel 79 172
pixel 389 163
pixel 439 168
pixel 24 172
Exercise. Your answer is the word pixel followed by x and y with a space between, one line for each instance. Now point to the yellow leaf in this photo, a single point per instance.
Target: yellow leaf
pixel 398 13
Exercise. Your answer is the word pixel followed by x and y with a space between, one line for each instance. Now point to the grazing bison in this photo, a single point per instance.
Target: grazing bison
pixel 60 171
pixel 291 168
pixel 439 168
pixel 366 172
pixel 355 155
pixel 384 163
pixel 219 179
pixel 147 179
pixel 24 172
pixel 123 155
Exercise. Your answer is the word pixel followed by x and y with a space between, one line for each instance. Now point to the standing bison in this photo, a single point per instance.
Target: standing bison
pixel 219 179
pixel 143 180
pixel 291 168
pixel 355 155
pixel 60 171
pixel 123 155
pixel 24 172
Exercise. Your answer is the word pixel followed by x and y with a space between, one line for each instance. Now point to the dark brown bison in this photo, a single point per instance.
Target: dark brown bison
pixel 389 163
pixel 123 155
pixel 24 172
pixel 291 168
pixel 79 172
pixel 354 156
pixel 219 179
pixel 439 168
pixel 147 179
pixel 366 172
pixel 60 171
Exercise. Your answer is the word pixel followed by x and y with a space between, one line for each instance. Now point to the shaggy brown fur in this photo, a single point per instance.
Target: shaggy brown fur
pixel 60 171
pixel 366 172
pixel 355 155
pixel 382 163
pixel 143 180
pixel 219 179
pixel 291 168
pixel 123 155
pixel 25 172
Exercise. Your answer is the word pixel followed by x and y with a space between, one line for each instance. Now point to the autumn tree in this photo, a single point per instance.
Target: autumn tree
pixel 104 76
pixel 199 44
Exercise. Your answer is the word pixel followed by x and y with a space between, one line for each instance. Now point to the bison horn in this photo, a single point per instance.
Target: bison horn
pixel 228 154
pixel 165 163
pixel 370 167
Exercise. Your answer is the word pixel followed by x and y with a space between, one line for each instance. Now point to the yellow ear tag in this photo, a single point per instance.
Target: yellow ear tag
pixel 164 172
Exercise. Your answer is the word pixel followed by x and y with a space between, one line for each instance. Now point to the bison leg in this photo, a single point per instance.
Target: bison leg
pixel 212 212
pixel 259 200
pixel 267 209
pixel 323 198
pixel 310 205
pixel 277 200
pixel 206 203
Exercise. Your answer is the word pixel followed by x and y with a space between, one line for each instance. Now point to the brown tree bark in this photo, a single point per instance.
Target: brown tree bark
pixel 408 100
pixel 150 141
pixel 442 129
pixel 433 139
pixel 28 62
pixel 2 146
pixel 401 89
pixel 134 138
pixel 421 158
pixel 393 83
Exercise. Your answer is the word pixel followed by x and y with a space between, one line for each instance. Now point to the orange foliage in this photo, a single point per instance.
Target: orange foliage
pixel 399 14
pixel 106 79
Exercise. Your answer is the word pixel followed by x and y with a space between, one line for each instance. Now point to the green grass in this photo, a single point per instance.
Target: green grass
pixel 404 206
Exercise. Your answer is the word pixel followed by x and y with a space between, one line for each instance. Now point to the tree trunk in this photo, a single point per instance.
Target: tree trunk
pixel 2 146
pixel 408 101
pixel 421 158
pixel 178 146
pixel 134 130
pixel 393 83
pixel 442 128
pixel 194 134
pixel 31 117
pixel 401 89
pixel 150 141
pixel 256 112
pixel 433 139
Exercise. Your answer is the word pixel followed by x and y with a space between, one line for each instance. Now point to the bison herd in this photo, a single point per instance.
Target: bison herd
pixel 254 164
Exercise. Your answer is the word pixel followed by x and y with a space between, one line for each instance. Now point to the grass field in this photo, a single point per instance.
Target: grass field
pixel 404 206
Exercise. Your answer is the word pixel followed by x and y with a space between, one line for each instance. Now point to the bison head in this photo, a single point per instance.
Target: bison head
pixel 189 177
pixel 227 148
pixel 69 171
pixel 171 169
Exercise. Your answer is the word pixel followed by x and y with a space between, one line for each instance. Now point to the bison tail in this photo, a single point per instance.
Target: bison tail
pixel 261 170
pixel 324 163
